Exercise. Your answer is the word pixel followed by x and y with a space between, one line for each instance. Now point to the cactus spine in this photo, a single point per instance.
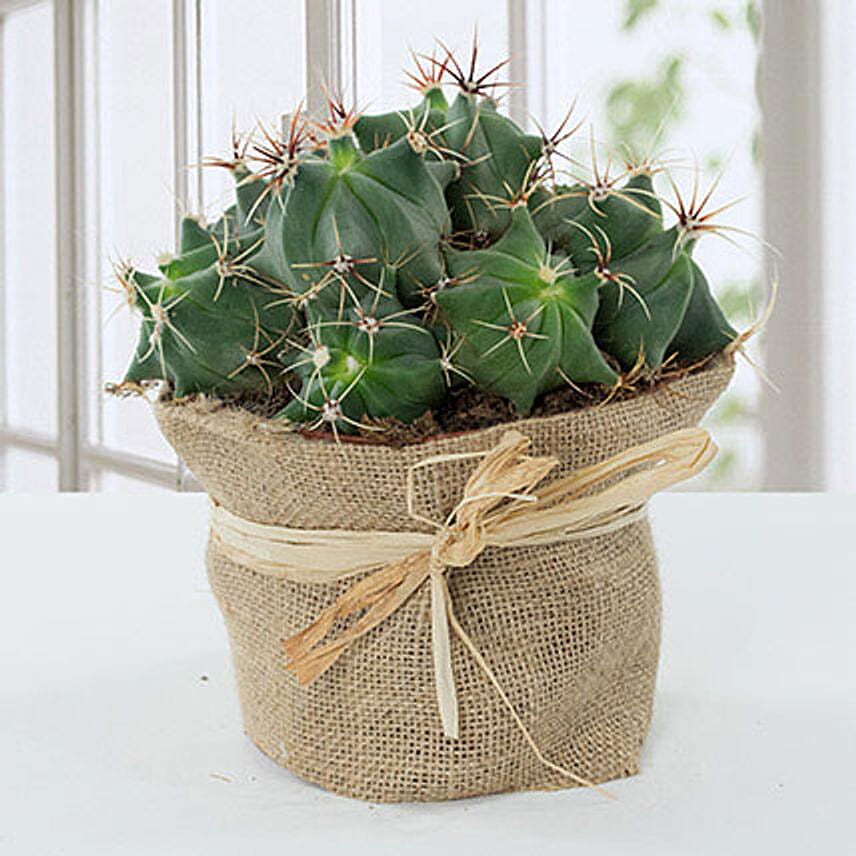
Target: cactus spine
pixel 370 262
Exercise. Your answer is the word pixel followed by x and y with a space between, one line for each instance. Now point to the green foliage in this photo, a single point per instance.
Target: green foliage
pixel 637 110
pixel 740 299
pixel 370 261
pixel 720 19
pixel 753 19
pixel 635 11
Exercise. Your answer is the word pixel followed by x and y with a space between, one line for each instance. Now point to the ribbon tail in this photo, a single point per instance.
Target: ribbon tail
pixel 309 662
pixel 444 679
pixel 483 665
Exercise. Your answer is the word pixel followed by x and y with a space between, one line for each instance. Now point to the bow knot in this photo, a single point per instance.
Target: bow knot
pixel 458 546
pixel 497 509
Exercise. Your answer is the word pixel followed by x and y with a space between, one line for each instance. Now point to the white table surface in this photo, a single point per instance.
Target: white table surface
pixel 111 741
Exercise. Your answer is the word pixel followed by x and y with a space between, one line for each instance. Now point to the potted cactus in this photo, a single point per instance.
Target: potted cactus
pixel 342 354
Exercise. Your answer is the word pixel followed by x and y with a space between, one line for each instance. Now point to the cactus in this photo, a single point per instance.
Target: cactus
pixel 369 263
pixel 654 300
pixel 346 216
pixel 371 362
pixel 376 132
pixel 209 329
pixel 524 318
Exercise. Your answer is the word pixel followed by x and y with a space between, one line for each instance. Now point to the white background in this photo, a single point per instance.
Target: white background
pixel 112 743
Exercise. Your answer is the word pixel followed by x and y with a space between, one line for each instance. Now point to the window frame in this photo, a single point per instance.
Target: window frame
pixel 796 458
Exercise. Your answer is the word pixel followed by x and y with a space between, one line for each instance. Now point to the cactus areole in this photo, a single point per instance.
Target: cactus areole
pixel 370 264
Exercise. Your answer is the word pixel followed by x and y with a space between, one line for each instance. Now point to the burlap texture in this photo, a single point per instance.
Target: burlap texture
pixel 571 630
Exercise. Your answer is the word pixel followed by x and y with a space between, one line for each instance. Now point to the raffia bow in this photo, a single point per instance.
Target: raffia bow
pixel 497 509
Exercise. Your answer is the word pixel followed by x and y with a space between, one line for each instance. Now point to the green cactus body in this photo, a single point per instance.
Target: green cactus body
pixel 208 333
pixel 496 157
pixel 377 132
pixel 627 216
pixel 192 235
pixel 374 261
pixel 657 302
pixel 206 254
pixel 704 329
pixel 524 317
pixel 645 320
pixel 346 218
pixel 375 365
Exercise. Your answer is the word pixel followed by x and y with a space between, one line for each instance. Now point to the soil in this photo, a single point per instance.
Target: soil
pixel 467 408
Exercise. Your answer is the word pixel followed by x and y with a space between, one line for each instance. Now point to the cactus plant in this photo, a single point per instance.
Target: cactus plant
pixel 371 262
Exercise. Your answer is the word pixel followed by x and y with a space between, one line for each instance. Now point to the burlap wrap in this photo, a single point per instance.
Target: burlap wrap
pixel 571 630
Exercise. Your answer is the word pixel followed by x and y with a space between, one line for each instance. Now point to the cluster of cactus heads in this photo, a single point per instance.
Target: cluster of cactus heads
pixel 370 263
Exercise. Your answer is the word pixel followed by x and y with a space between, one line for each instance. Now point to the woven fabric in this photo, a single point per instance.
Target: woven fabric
pixel 571 630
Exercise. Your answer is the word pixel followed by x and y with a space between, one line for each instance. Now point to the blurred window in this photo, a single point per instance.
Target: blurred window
pixel 157 84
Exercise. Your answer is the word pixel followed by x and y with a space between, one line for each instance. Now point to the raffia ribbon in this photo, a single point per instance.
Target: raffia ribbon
pixel 498 509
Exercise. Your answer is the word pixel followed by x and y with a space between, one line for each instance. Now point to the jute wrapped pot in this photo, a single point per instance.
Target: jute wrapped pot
pixel 571 630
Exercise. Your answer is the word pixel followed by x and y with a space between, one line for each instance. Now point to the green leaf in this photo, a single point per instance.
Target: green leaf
pixel 640 110
pixel 635 11
pixel 754 19
pixel 720 19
